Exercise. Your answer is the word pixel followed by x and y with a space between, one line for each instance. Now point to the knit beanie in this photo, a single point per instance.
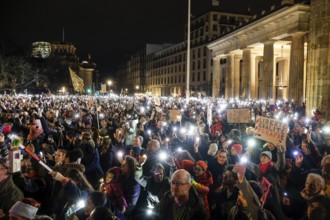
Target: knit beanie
pixel 267 153
pixel 202 164
pixel 24 210
pixel 238 148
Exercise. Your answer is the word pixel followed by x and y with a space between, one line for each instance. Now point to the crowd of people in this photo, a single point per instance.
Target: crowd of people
pixel 121 157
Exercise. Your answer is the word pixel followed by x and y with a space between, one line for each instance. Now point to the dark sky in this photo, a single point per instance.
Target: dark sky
pixel 108 29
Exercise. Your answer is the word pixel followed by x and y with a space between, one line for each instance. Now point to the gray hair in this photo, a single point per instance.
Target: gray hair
pixel 318 178
pixel 325 160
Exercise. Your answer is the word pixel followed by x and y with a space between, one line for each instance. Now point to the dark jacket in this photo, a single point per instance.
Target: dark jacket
pixel 193 209
pixel 9 194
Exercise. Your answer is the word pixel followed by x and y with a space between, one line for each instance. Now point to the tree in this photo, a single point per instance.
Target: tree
pixel 17 73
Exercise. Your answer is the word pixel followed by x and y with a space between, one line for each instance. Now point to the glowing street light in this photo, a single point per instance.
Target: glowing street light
pixel 109 84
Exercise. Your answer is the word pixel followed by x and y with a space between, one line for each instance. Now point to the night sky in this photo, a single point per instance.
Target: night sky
pixel 109 29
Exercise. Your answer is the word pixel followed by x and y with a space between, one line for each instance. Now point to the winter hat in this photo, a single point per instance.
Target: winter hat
pixel 202 164
pixel 187 165
pixel 6 129
pixel 238 148
pixel 24 210
pixel 267 153
pixel 213 149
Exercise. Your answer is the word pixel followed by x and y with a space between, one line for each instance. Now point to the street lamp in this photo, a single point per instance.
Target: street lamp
pixel 137 87
pixel 63 90
pixel 188 54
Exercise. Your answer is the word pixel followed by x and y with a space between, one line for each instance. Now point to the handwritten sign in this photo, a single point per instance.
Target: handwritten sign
pixel 238 115
pixel 175 115
pixel 271 130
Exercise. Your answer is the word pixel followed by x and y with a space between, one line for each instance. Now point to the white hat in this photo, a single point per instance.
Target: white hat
pixel 213 149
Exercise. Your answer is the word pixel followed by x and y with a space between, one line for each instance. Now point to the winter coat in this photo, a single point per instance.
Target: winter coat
pixel 9 194
pixel 191 210
pixel 113 189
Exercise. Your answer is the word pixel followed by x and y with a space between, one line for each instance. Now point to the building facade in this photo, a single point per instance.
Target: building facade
pixel 162 71
pixel 283 54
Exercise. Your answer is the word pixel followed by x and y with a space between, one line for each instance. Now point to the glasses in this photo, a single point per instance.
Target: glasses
pixel 177 183
pixel 222 157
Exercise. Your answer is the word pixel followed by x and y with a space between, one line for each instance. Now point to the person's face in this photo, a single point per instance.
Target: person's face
pixel 59 157
pixel 103 123
pixel 180 185
pixel 311 207
pixel 222 158
pixel 158 175
pixel 312 186
pixel 198 170
pixel 109 177
pixel 89 207
pixel 304 148
pixel 3 172
pixel 228 178
pixel 151 147
pixel 233 151
pixel 264 159
pixel 136 141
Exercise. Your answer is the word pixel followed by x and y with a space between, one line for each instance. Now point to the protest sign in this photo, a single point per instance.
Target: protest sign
pixel 271 130
pixel 175 115
pixel 238 115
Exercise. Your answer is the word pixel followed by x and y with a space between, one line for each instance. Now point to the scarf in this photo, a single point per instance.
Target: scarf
pixel 264 168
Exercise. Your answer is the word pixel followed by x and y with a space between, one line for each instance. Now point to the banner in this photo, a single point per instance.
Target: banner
pixel 238 115
pixel 271 130
pixel 104 88
pixel 77 82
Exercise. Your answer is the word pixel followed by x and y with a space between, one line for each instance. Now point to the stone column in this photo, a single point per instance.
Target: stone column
pixel 237 69
pixel 230 76
pixel 318 67
pixel 267 86
pixel 246 73
pixel 216 77
pixel 296 73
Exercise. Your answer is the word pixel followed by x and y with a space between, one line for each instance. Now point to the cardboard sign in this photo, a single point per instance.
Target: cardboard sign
pixel 271 130
pixel 104 88
pixel 90 102
pixel 238 115
pixel 175 115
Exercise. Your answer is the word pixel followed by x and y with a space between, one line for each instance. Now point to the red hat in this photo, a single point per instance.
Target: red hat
pixel 6 129
pixel 187 165
pixel 202 164
pixel 238 148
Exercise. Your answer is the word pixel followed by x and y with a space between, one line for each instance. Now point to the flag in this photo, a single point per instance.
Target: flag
pixel 215 3
pixel 265 184
pixel 77 82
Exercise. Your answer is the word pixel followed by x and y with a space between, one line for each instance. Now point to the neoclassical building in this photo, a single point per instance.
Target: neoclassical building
pixel 283 54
